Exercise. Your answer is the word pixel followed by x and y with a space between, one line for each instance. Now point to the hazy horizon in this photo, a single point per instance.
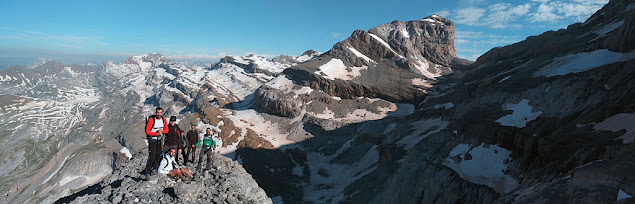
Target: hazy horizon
pixel 84 32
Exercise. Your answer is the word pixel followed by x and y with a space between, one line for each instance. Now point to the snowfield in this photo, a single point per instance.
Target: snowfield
pixel 520 117
pixel 487 166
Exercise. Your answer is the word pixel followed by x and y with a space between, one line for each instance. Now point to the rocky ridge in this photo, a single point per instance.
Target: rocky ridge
pixel 226 182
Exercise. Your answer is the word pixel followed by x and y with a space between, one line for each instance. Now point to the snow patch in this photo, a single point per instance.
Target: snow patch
pixel 342 176
pixel 277 200
pixel 580 62
pixel 385 44
pixel 432 21
pixel 422 129
pixel 359 54
pixel 421 82
pixel 403 109
pixel 446 106
pixel 126 152
pixel 622 121
pixel 506 78
pixel 521 115
pixel 487 166
pixel 621 195
pixel 404 32
pixel 335 69
pixel 608 28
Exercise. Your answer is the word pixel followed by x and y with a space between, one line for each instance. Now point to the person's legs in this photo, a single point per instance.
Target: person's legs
pixel 186 172
pixel 178 173
pixel 200 159
pixel 186 154
pixel 193 153
pixel 157 154
pixel 172 173
pixel 151 156
pixel 209 154
pixel 184 157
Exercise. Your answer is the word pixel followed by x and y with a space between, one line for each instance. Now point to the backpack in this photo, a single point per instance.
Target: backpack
pixel 207 142
pixel 148 119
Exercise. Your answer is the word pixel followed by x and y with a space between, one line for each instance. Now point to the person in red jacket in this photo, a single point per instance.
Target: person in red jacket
pixel 155 128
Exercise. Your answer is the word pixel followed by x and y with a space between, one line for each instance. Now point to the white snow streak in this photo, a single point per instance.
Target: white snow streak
pixel 580 62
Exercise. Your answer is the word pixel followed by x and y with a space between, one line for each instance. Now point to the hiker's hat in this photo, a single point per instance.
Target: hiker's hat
pixel 173 118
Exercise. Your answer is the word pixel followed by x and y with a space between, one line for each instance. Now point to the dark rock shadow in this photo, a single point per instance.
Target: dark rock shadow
pixel 170 191
pixel 245 104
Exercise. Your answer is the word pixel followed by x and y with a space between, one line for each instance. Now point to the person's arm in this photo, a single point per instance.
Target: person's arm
pixel 165 125
pixel 149 128
pixel 176 165
pixel 162 166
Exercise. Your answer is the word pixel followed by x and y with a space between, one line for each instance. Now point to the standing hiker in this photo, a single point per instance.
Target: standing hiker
pixel 155 128
pixel 173 137
pixel 209 146
pixel 192 138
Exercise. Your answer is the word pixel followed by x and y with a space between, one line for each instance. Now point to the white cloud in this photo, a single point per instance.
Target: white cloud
pixel 336 35
pixel 501 14
pixel 578 10
pixel 469 16
pixel 533 13
pixel 545 13
pixel 470 44
pixel 198 57
pixel 71 41
pixel 444 13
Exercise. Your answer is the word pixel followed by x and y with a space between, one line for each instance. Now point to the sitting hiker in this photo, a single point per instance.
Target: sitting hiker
pixel 173 138
pixel 209 146
pixel 170 167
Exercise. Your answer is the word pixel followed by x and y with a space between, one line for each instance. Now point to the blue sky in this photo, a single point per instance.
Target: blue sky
pixel 86 31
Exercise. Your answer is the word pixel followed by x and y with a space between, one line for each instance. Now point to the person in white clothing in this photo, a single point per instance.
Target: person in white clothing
pixel 170 167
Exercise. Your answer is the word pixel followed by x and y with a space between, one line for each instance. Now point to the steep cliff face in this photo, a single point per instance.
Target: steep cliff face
pixel 397 61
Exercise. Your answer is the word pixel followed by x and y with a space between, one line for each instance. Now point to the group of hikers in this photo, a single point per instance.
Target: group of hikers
pixel 163 135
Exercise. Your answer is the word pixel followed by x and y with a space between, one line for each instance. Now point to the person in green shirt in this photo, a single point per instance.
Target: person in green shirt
pixel 209 146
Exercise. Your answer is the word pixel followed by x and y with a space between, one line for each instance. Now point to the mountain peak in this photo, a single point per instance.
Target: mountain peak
pixel 438 20
pixel 39 62
pixel 147 60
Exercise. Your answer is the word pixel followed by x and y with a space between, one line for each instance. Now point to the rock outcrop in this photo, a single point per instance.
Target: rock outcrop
pixel 226 182
pixel 397 61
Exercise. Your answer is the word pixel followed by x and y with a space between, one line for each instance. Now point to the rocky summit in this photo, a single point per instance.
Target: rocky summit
pixel 226 182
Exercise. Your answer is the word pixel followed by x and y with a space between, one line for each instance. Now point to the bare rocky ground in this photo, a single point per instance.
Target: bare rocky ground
pixel 226 182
